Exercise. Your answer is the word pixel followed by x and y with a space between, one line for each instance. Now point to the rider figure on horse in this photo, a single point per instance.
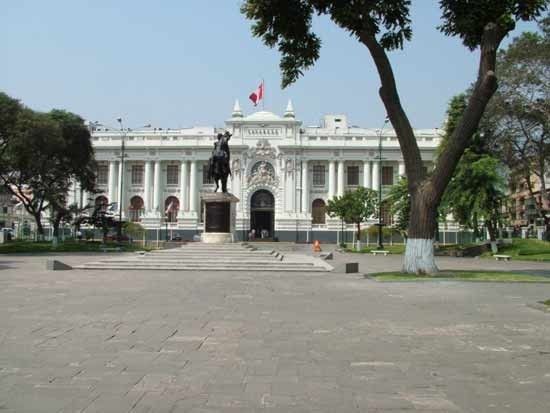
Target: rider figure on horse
pixel 219 164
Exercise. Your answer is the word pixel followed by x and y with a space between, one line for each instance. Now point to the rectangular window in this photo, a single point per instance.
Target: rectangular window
pixel 137 174
pixel 385 211
pixel 353 175
pixel 102 174
pixel 205 179
pixel 318 175
pixel 172 174
pixel 387 175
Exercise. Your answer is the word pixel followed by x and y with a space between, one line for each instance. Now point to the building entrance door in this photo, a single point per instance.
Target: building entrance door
pixel 262 214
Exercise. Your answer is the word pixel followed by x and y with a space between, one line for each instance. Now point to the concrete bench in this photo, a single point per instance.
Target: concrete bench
pixel 117 249
pixel 376 252
pixel 502 257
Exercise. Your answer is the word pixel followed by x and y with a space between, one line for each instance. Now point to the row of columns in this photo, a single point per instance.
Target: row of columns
pixel 336 179
pixel 152 191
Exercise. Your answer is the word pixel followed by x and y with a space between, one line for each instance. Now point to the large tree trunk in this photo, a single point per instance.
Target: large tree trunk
pixel 426 191
pixel 419 250
pixel 39 227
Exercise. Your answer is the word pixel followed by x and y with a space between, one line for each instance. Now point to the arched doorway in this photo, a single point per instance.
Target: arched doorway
pixel 262 214
pixel 171 207
pixel 136 208
pixel 318 211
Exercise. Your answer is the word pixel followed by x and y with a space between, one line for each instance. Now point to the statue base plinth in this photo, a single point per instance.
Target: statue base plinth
pixel 216 237
pixel 219 217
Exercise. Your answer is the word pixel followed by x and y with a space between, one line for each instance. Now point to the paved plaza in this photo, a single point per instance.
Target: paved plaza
pixel 182 341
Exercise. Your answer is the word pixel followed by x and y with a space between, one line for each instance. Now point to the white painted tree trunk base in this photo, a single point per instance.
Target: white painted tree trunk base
pixel 419 257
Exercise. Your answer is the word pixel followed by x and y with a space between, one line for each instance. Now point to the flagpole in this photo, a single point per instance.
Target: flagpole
pixel 263 98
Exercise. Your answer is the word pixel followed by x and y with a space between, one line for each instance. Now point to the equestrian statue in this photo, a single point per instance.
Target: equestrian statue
pixel 218 166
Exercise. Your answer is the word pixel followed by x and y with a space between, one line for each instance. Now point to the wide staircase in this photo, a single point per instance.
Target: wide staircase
pixel 211 257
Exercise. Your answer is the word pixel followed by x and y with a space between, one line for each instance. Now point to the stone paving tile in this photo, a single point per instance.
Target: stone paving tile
pixel 95 341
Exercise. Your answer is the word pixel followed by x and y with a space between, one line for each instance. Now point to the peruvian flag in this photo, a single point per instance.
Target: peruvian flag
pixel 258 94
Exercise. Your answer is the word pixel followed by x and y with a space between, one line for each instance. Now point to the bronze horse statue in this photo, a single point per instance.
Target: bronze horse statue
pixel 218 165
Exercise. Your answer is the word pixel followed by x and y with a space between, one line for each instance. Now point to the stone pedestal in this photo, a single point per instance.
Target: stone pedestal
pixel 219 217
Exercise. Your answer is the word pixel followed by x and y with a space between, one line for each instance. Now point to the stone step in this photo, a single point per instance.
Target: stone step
pixel 290 267
pixel 198 261
pixel 191 254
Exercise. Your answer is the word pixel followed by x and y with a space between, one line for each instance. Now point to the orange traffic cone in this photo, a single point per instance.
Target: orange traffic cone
pixel 316 246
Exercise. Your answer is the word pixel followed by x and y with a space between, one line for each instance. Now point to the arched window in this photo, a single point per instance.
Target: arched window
pixel 101 201
pixel 136 208
pixel 171 207
pixel 318 211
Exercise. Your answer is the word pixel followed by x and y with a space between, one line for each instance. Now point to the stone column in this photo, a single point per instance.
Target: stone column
pixel 340 178
pixel 147 187
pixel 156 188
pixel 375 176
pixel 305 188
pixel 184 201
pixel 366 175
pixel 290 187
pixel 112 182
pixel 120 197
pixel 193 187
pixel 331 179
pixel 401 169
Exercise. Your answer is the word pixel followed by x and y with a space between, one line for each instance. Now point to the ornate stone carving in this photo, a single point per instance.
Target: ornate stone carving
pixel 262 173
pixel 263 149
pixel 236 167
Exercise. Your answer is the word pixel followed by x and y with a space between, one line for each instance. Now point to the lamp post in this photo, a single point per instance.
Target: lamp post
pixel 380 244
pixel 121 184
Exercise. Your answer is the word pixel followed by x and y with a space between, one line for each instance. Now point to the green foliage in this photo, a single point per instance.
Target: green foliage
pixel 9 112
pixel 468 19
pixel 520 112
pixel 133 230
pixel 42 154
pixel 27 247
pixel 526 250
pixel 287 24
pixel 354 206
pixel 483 276
pixel 372 232
pixel 477 190
pixel 400 204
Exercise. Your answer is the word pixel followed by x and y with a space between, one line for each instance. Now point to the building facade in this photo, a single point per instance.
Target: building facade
pixel 282 172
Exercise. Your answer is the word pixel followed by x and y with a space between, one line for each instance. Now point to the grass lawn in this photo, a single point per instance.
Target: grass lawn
pixel 525 249
pixel 69 246
pixel 492 276
pixel 393 249
pixel 547 302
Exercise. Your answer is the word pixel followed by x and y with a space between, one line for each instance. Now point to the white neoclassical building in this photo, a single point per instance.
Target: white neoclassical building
pixel 282 172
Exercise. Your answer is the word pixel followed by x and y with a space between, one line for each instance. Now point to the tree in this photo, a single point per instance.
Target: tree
pixel 76 164
pixel 521 113
pixel 354 206
pixel 29 162
pixel 382 26
pixel 103 218
pixel 477 191
pixel 9 111
pixel 44 154
pixel 133 230
pixel 400 205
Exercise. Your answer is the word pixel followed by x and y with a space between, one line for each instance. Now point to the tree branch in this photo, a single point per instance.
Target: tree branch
pixel 485 87
pixel 398 117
